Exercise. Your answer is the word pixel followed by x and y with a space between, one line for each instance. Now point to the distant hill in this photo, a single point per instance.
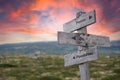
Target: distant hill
pixel 113 49
pixel 51 48
pixel 36 47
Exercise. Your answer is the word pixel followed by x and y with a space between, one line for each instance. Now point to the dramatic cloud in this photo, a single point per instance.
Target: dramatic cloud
pixel 46 17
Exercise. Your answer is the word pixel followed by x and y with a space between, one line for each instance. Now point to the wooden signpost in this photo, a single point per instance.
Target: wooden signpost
pixel 81 56
pixel 87 50
pixel 82 39
pixel 82 20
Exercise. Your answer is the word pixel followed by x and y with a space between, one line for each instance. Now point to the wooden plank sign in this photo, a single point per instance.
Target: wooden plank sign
pixel 81 39
pixel 87 50
pixel 81 57
pixel 80 22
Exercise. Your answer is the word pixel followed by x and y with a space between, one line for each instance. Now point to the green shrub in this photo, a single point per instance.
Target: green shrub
pixel 113 77
pixel 117 71
pixel 50 78
pixel 7 65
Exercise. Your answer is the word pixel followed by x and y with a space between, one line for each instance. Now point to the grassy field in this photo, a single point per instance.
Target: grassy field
pixel 51 67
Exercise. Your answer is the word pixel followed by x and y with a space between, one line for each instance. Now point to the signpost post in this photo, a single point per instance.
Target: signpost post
pixel 87 50
pixel 84 67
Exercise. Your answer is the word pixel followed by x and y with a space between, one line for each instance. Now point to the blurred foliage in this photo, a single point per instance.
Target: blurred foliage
pixel 51 67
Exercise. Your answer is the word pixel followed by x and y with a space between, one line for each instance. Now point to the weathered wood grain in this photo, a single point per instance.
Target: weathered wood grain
pixel 84 71
pixel 81 57
pixel 80 22
pixel 81 39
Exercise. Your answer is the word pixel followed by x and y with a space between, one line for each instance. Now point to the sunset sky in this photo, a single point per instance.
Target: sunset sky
pixel 39 20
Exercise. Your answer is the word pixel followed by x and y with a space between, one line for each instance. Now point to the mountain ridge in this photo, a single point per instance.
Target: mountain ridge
pixel 51 47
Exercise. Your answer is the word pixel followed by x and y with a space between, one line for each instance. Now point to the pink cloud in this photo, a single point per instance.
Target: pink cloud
pixel 61 11
pixel 50 15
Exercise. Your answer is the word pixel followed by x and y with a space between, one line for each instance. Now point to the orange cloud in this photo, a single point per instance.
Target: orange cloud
pixel 19 12
pixel 50 15
pixel 16 14
pixel 43 4
pixel 30 30
pixel 33 19
pixel 106 30
pixel 39 31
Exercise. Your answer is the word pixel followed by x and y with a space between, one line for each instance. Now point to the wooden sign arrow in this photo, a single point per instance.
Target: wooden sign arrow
pixel 81 57
pixel 80 22
pixel 81 39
